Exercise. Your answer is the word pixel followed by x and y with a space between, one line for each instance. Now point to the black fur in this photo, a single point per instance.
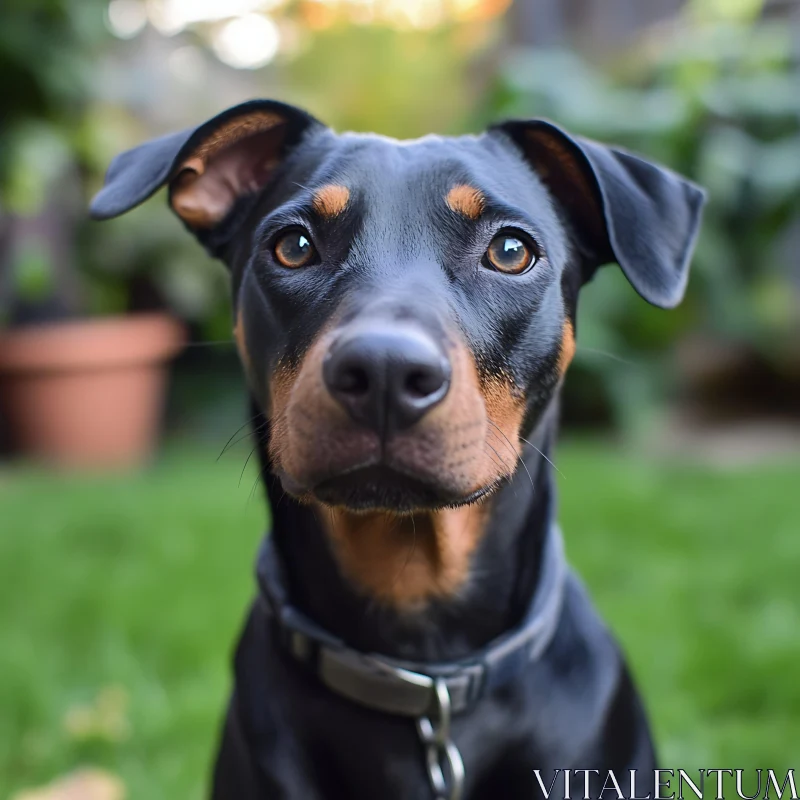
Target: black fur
pixel 398 252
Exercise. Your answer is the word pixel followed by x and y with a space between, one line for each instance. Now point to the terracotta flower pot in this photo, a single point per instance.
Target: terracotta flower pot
pixel 88 393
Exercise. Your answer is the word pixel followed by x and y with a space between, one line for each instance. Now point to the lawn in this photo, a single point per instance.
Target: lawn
pixel 121 597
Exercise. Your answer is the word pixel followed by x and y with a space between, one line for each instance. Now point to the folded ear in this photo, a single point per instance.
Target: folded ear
pixel 623 208
pixel 208 168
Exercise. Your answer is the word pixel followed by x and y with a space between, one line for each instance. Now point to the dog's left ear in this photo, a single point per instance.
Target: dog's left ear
pixel 208 168
pixel 623 208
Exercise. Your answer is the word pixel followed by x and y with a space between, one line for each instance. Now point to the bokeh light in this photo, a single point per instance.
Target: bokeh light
pixel 239 47
pixel 126 18
pixel 247 42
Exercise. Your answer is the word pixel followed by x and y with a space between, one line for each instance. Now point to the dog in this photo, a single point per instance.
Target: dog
pixel 405 313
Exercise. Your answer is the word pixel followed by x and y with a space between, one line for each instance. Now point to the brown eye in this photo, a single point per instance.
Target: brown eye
pixel 510 253
pixel 295 249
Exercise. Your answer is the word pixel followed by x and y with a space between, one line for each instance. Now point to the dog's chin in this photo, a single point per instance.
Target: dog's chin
pixel 381 488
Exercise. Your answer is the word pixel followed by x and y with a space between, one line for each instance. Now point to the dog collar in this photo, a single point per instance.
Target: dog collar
pixel 408 688
pixel 430 692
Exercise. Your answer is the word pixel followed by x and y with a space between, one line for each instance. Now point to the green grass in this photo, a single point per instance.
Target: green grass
pixel 141 583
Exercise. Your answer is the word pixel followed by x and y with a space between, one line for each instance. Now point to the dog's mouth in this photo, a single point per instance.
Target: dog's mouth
pixel 381 487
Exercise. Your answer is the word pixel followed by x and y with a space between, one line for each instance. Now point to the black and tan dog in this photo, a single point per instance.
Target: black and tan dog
pixel 405 313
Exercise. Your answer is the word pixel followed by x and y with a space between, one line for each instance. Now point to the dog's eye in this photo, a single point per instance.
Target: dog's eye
pixel 295 249
pixel 510 253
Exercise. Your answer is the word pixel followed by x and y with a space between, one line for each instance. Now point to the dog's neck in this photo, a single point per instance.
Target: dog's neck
pixel 501 576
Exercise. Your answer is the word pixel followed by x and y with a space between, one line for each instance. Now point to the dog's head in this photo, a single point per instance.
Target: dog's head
pixel 405 311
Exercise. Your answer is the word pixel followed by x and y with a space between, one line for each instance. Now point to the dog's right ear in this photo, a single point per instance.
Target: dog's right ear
pixel 207 168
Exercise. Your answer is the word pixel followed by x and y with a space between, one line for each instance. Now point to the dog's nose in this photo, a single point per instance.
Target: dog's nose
pixel 387 378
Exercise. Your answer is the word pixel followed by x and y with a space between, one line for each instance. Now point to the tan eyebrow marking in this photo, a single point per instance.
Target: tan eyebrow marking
pixel 466 200
pixel 330 200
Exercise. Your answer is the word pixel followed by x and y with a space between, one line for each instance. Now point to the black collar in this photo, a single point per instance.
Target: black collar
pixel 410 688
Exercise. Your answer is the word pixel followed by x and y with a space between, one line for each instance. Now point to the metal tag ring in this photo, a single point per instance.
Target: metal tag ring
pixel 444 763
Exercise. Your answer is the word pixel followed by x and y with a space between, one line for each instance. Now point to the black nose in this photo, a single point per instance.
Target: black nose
pixel 387 378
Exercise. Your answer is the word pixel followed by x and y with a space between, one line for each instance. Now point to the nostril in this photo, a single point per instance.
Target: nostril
pixel 353 381
pixel 386 378
pixel 422 383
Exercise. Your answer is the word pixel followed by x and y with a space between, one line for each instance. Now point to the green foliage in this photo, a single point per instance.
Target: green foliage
pixel 719 102
pixel 32 273
pixel 399 83
pixel 149 247
pixel 47 51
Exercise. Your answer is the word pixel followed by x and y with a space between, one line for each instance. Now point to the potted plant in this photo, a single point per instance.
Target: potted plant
pixel 87 392
pixel 77 389
pixel 83 354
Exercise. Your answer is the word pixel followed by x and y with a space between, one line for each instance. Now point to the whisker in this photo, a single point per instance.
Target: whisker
pixel 517 456
pixel 502 468
pixel 259 476
pixel 244 424
pixel 247 461
pixel 499 463
pixel 238 440
pixel 543 456
pixel 612 356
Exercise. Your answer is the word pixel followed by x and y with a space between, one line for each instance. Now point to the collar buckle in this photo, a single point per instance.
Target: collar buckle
pixel 375 683
pixel 392 688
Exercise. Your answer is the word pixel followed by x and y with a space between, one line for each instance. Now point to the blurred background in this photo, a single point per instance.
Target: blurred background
pixel 129 505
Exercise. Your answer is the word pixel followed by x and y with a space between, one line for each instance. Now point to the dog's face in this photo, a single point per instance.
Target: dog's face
pixel 405 310
pixel 401 310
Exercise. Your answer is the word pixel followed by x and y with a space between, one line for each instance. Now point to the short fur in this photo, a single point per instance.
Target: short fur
pixel 418 541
